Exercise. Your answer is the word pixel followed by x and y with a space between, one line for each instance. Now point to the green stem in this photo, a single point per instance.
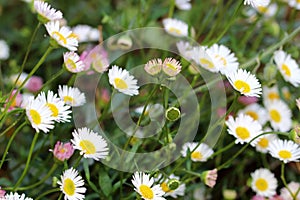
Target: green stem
pixel 12 125
pixel 222 150
pixel 77 161
pixel 48 192
pixel 10 141
pixel 53 77
pixel 284 181
pixel 28 161
pixel 171 9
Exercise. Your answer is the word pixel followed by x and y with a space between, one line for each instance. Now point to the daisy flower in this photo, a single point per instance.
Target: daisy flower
pixel 4 53
pixel 294 3
pixel 39 115
pixel 294 187
pixel 288 67
pixel 46 13
pixel 227 60
pixel 153 66
pixel 185 49
pixel 91 144
pixel 62 36
pixel 123 81
pixel 263 182
pixel 96 58
pixel 144 185
pixel 171 67
pixel 285 150
pixel 204 58
pixel 169 184
pixel 16 196
pixel 200 154
pixel 244 128
pixel 60 111
pixel 263 142
pixel 86 33
pixel 183 4
pixel 62 151
pixel 175 27
pixel 71 96
pixel 268 10
pixel 270 94
pixel 244 82
pixel 71 184
pixel 280 115
pixel 73 63
pixel 257 112
pixel 256 3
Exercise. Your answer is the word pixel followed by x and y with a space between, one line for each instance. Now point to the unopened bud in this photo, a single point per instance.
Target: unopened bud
pixel 209 177
pixel 124 42
pixel 172 114
pixel 173 184
pixel 270 71
pixel 295 134
pixel 229 194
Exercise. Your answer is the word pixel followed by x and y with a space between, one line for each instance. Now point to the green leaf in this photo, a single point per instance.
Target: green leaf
pixel 105 182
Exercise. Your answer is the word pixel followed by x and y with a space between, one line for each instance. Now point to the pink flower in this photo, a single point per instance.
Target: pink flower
pixel 63 151
pixel 209 177
pixel 17 101
pixel 34 84
pixel 257 197
pixel 95 59
pixel 2 193
pixel 247 100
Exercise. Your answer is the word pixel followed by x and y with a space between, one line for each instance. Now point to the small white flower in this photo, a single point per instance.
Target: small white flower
pixel 179 191
pixel 86 33
pixel 263 142
pixel 200 154
pixel 256 3
pixel 246 83
pixel 183 4
pixel 46 12
pixel 257 112
pixel 294 3
pixel 73 63
pixel 175 27
pixel 264 182
pixel 171 67
pixel 285 150
pixel 72 185
pixel 91 144
pixel 270 94
pixel 16 196
pixel 123 81
pixel 153 66
pixel 294 187
pixel 4 50
pixel 71 96
pixel 204 57
pixel 185 50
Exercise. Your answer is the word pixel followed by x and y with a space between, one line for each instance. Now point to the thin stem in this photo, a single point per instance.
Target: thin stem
pixel 284 181
pixel 53 77
pixel 222 150
pixel 172 8
pixel 48 192
pixel 36 135
pixel 10 141
pixel 12 125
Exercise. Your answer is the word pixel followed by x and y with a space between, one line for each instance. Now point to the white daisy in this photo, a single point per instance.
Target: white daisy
pixel 204 58
pixel 123 81
pixel 264 182
pixel 175 27
pixel 286 93
pixel 244 128
pixel 63 36
pixel 86 33
pixel 144 185
pixel 46 13
pixel 294 187
pixel 288 67
pixel 179 191
pixel 285 150
pixel 294 3
pixel 244 82
pixel 280 115
pixel 153 66
pixel 257 112
pixel 256 3
pixel 263 142
pixel 200 154
pixel 185 49
pixel 227 61
pixel 39 115
pixel 73 63
pixel 91 144
pixel 171 67
pixel 270 94
pixel 183 4
pixel 268 10
pixel 71 96
pixel 71 184
pixel 4 50
pixel 60 111
pixel 16 196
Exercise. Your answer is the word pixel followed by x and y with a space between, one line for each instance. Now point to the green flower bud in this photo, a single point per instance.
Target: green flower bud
pixel 270 71
pixel 172 114
pixel 54 181
pixel 173 184
pixel 295 134
pixel 124 42
pixel 229 194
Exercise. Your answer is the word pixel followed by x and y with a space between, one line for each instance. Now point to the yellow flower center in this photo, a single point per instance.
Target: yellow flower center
pixel 146 192
pixel 53 109
pixel 69 187
pixel 284 154
pixel 242 86
pixel 261 184
pixel 286 70
pixel 222 59
pixel 120 83
pixel 87 146
pixel 287 94
pixel 298 1
pixel 35 116
pixel 71 64
pixel 263 143
pixel 73 35
pixel 172 67
pixel 275 116
pixel 252 114
pixel 68 99
pixel 175 30
pixel 273 95
pixel 242 133
pixel 262 9
pixel 197 155
pixel 206 63
pixel 59 37
pixel 165 187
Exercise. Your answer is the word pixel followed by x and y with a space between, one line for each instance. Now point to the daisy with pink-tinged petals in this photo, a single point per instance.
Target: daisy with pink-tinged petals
pixel 63 151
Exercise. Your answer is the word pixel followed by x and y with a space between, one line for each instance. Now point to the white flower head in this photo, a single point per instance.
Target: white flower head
pixel 4 50
pixel 264 182
pixel 204 57
pixel 171 67
pixel 294 187
pixel 123 81
pixel 183 4
pixel 16 196
pixel 270 94
pixel 257 112
pixel 175 27
pixel 288 67
pixel 185 49
pixel 72 185
pixel 73 63
pixel 86 33
pixel 154 66
pixel 175 193
pixel 263 142
pixel 256 3
pixel 246 83
pixel 285 150
pixel 71 96
pixel 294 3
pixel 46 12
pixel 91 144
pixel 200 154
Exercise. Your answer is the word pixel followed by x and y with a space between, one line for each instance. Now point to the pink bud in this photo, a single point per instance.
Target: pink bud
pixel 247 100
pixel 63 151
pixel 2 193
pixel 34 84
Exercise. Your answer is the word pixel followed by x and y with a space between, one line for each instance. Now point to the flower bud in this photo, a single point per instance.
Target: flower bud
pixel 63 151
pixel 209 177
pixel 229 194
pixel 295 134
pixel 172 114
pixel 173 184
pixel 153 66
pixel 270 71
pixel 124 42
